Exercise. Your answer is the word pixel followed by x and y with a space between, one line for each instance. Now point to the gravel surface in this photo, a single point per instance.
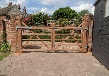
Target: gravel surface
pixel 52 64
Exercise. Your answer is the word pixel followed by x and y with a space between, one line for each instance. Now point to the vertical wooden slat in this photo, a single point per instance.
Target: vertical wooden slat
pixel 85 43
pixel 16 41
pixel 84 32
pixel 19 37
pixel 52 38
pixel 19 41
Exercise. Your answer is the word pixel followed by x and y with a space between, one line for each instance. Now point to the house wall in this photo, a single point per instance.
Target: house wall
pixel 100 47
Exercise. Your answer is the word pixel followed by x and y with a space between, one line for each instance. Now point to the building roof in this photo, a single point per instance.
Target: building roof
pixel 8 10
pixel 96 2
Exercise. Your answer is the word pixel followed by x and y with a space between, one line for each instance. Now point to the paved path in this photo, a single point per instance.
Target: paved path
pixel 52 64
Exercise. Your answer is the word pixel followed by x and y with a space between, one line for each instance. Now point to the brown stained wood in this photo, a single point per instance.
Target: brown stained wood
pixel 35 50
pixel 83 27
pixel 69 50
pixel 36 39
pixel 19 40
pixel 85 33
pixel 69 39
pixel 53 38
pixel 35 34
pixel 65 39
pixel 30 37
pixel 19 37
pixel 85 44
pixel 68 34
pixel 44 43
pixel 24 24
pixel 81 24
pixel 73 44
pixel 34 44
pixel 56 46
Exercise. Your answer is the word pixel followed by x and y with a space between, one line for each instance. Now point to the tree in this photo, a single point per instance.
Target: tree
pixel 66 12
pixel 40 18
pixel 83 12
pixel 63 22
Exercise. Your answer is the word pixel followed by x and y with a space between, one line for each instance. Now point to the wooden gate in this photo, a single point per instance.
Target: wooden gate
pixel 53 38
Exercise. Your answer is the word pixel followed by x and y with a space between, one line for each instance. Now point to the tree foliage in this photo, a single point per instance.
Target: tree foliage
pixel 40 18
pixel 83 12
pixel 63 22
pixel 66 12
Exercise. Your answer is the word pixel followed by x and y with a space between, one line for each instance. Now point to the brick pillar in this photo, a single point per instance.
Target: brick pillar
pixel 1 26
pixel 11 32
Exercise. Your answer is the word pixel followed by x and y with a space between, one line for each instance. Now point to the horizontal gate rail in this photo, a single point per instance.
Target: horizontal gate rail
pixel 34 34
pixel 34 44
pixel 73 28
pixel 67 39
pixel 35 50
pixel 68 34
pixel 36 39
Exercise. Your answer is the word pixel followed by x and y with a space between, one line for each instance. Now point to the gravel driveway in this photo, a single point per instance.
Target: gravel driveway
pixel 52 64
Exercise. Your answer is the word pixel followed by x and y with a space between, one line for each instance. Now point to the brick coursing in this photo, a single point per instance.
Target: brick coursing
pixel 11 34
pixel 1 27
pixel 10 30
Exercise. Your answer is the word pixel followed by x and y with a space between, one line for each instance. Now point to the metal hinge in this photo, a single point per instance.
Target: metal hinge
pixel 16 27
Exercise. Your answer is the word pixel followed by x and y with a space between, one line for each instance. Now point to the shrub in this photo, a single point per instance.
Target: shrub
pixel 63 22
pixel 5 47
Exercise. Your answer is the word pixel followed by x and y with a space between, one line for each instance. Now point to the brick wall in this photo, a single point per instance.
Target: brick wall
pixel 11 32
pixel 1 26
pixel 10 29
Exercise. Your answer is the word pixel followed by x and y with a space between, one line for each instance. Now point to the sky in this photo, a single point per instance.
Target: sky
pixel 49 6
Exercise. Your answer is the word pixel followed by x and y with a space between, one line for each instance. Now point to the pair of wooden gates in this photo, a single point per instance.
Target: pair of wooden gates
pixel 52 38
